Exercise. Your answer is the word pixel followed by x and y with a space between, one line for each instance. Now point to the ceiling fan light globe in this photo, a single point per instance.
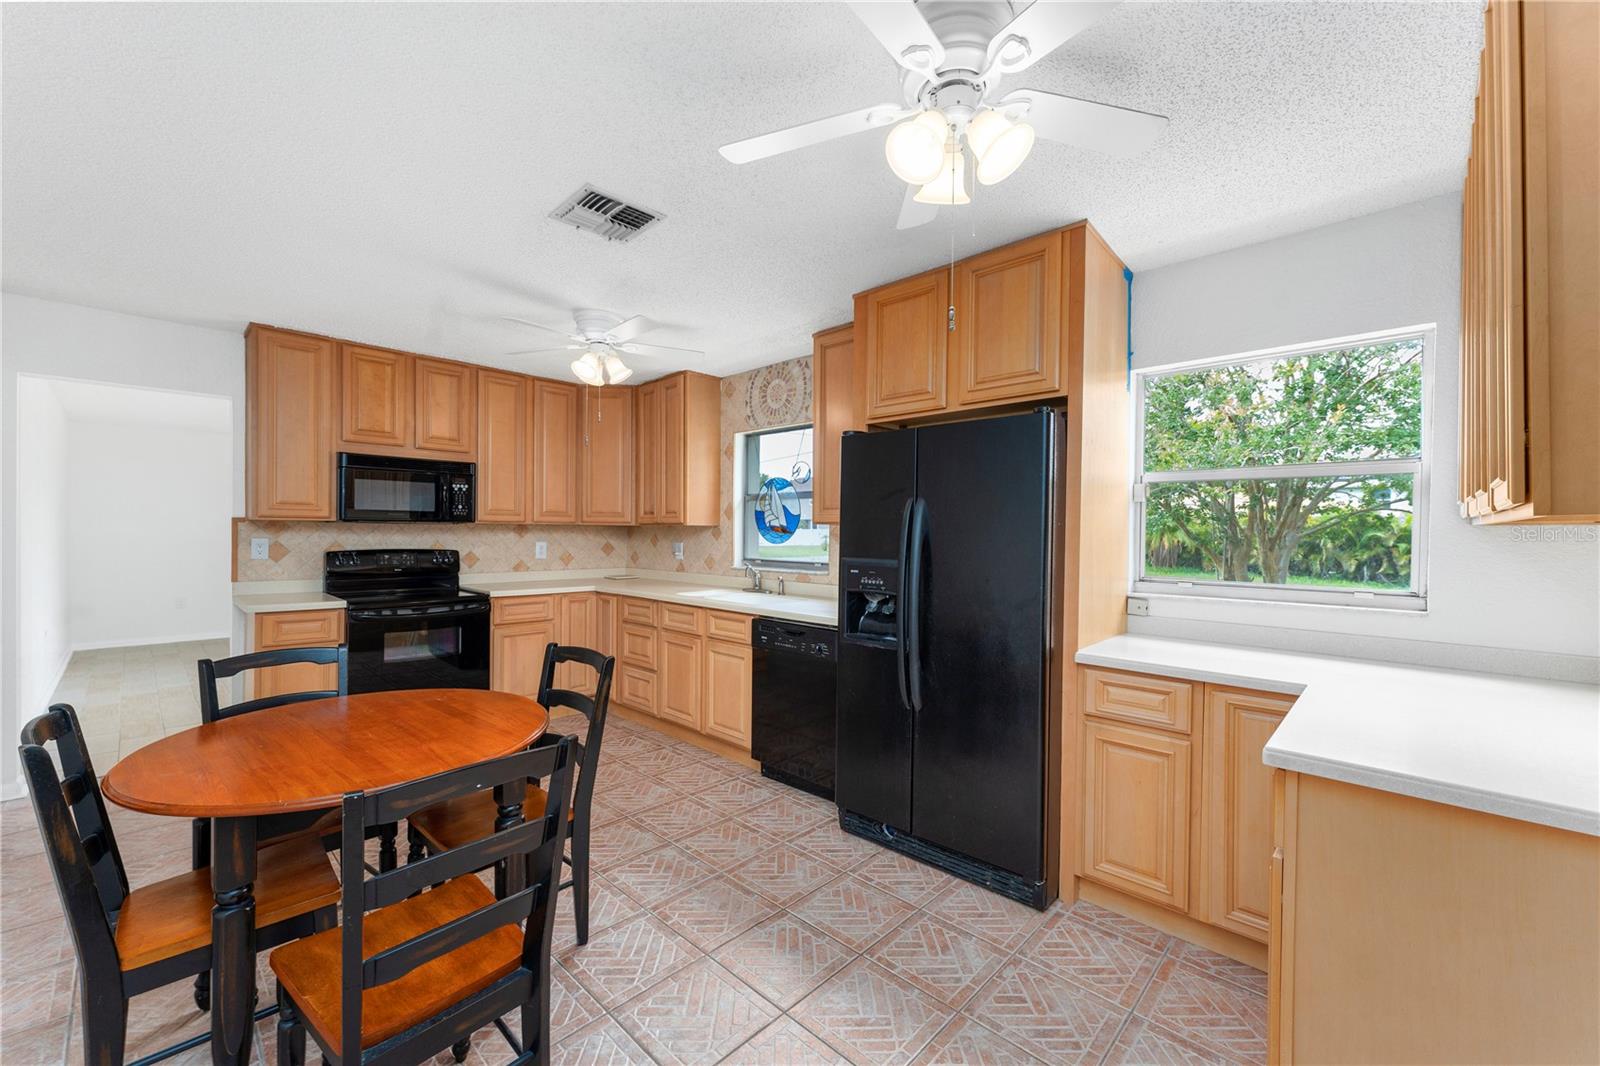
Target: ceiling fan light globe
pixel 1005 154
pixel 915 147
pixel 586 368
pixel 616 370
pixel 951 186
pixel 983 128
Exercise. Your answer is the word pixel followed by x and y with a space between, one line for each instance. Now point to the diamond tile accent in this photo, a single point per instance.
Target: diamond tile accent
pixel 1220 966
pixel 566 558
pixel 966 1043
pixel 785 1043
pixel 1001 921
pixel 655 875
pixel 783 874
pixel 471 559
pixel 1147 1043
pixel 1046 1015
pixel 944 962
pixel 679 818
pixel 726 844
pixel 1131 928
pixel 1214 1014
pixel 619 963
pixel 872 1016
pixel 912 881
pixel 786 816
pixel 698 1015
pixel 713 912
pixel 608 547
pixel 783 958
pixel 853 913
pixel 601 1044
pixel 277 551
pixel 619 842
pixel 1088 955
pixel 836 847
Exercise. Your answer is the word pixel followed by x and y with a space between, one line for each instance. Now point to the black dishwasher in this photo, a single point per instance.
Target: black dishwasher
pixel 792 729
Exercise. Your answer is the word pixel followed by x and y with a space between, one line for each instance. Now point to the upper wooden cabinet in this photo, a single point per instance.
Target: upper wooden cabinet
pixel 447 408
pixel 607 496
pixel 1530 279
pixel 834 409
pixel 292 424
pixel 1008 323
pixel 555 452
pixel 504 489
pixel 679 465
pixel 375 406
pixel 907 340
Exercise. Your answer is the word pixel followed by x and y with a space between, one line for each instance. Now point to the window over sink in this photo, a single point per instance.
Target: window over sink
pixel 1294 474
pixel 774 527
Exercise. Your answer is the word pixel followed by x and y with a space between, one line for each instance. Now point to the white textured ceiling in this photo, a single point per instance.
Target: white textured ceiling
pixel 384 172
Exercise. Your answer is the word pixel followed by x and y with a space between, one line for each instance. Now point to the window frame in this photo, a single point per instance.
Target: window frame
pixel 1413 599
pixel 742 497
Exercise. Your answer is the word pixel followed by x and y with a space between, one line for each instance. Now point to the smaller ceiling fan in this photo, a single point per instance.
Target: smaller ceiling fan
pixel 603 338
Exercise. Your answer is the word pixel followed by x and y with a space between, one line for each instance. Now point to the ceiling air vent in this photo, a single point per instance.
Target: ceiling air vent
pixel 593 210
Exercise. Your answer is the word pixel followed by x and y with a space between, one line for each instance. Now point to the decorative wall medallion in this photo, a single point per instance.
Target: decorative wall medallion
pixel 779 395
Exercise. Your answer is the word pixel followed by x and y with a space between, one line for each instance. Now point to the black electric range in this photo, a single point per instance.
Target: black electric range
pixel 408 621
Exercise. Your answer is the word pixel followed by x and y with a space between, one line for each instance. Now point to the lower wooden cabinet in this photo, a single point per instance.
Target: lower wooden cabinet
pixel 577 630
pixel 682 671
pixel 1236 810
pixel 727 697
pixel 516 656
pixel 635 688
pixel 1136 811
pixel 296 629
pixel 686 665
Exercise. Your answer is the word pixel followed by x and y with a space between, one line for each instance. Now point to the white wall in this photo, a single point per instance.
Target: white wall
pixel 44 643
pixel 1513 599
pixel 149 521
pixel 67 341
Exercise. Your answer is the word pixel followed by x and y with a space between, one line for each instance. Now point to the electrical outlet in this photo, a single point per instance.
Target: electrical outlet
pixel 1138 606
pixel 677 549
pixel 541 550
pixel 258 547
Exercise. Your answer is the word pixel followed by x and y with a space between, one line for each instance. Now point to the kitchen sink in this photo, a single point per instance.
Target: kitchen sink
pixel 738 596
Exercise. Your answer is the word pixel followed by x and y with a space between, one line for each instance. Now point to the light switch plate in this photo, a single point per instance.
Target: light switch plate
pixel 677 549
pixel 259 546
pixel 541 550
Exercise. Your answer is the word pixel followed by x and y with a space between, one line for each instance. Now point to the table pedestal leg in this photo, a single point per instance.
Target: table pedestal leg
pixel 233 940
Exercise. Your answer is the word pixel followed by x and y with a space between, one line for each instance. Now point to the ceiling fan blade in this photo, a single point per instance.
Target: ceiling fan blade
pixel 1116 131
pixel 809 133
pixel 626 331
pixel 914 214
pixel 549 351
pixel 565 332
pixel 635 348
pixel 904 34
pixel 1042 28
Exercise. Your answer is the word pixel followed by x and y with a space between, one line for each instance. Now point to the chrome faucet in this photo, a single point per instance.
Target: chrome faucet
pixel 755 579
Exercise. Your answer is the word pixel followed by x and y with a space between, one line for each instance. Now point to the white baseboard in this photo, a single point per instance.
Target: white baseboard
pixel 140 642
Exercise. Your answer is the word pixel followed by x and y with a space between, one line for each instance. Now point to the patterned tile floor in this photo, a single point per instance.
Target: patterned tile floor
pixel 731 921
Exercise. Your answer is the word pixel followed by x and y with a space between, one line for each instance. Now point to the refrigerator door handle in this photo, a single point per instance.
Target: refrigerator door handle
pixel 911 601
pixel 900 612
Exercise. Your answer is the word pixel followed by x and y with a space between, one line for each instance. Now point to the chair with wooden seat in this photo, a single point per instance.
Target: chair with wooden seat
pixel 426 954
pixel 133 940
pixel 449 825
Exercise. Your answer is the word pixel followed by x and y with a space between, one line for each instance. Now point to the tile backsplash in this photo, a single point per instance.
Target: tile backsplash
pixel 776 395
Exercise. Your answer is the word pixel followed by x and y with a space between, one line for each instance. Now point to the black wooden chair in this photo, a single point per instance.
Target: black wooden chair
pixel 130 941
pixel 449 825
pixel 440 955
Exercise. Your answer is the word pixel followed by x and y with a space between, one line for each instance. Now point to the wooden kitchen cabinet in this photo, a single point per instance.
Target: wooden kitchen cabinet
pixel 1530 279
pixel 1136 811
pixel 679 464
pixel 291 413
pixel 727 698
pixel 520 627
pixel 907 341
pixel 681 673
pixel 504 491
pixel 834 409
pixel 1235 868
pixel 296 629
pixel 375 408
pixel 577 630
pixel 647 455
pixel 555 452
pixel 607 497
pixel 1007 340
pixel 606 622
pixel 446 417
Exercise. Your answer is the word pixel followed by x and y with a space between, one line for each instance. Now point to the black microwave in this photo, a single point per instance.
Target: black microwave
pixel 384 488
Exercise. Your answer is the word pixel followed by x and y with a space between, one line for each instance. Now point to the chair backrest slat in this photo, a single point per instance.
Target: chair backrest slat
pixel 407 880
pixel 394 963
pixel 593 708
pixel 212 669
pixel 398 802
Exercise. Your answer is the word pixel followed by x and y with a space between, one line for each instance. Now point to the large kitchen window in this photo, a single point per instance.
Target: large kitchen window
pixel 1296 474
pixel 775 526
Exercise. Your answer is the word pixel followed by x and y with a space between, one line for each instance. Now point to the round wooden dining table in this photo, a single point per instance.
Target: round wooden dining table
pixel 258 774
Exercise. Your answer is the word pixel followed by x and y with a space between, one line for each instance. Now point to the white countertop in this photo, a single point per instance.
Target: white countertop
pixel 1517 747
pixel 302 600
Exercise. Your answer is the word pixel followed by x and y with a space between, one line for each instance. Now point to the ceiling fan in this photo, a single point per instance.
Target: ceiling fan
pixel 603 338
pixel 953 55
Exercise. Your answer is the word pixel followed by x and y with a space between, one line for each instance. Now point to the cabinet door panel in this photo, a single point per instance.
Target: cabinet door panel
pixel 577 630
pixel 907 338
pixel 834 410
pixel 447 408
pixel 636 645
pixel 1008 323
pixel 637 688
pixel 681 675
pixel 504 445
pixel 516 656
pixel 292 425
pixel 1236 809
pixel 376 389
pixel 1136 811
pixel 606 609
pixel 295 629
pixel 673 449
pixel 555 452
pixel 608 451
pixel 727 696
pixel 647 452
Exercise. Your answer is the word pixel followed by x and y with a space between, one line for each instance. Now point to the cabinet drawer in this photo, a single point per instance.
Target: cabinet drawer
pixel 1157 701
pixel 682 619
pixel 522 609
pixel 636 688
pixel 720 625
pixel 299 629
pixel 637 647
pixel 639 612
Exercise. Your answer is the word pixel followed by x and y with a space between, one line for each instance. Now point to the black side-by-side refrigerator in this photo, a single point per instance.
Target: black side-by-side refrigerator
pixel 948 683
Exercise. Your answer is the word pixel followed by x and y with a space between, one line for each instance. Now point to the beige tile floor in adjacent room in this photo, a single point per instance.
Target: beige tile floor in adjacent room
pixel 731 921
